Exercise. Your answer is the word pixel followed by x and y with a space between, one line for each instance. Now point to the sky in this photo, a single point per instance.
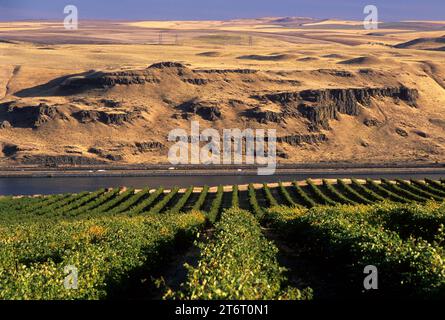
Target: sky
pixel 389 10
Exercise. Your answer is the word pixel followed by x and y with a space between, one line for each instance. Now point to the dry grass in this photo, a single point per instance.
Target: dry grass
pixel 280 50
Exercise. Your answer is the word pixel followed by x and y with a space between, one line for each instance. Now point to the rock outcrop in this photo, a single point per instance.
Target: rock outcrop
pixel 401 132
pixel 106 154
pixel 227 71
pixel 197 81
pixel 148 146
pixel 10 150
pixel 151 75
pixel 62 160
pixel 207 110
pixel 421 134
pixel 108 103
pixel 298 140
pixel 13 151
pixel 320 106
pixel 371 122
pixel 102 80
pixel 282 154
pixel 109 118
pixel 167 64
pixel 264 116
pixel 335 73
pixel 30 116
pixel 119 118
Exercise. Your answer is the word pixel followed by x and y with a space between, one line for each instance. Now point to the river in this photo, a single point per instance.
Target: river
pixel 56 185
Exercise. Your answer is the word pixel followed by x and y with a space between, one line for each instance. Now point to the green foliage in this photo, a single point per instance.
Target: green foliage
pixel 131 200
pixel 235 197
pixel 31 206
pixel 216 205
pixel 411 220
pixel 61 203
pixel 79 203
pixel 354 237
pixel 114 202
pixel 158 207
pixel 145 204
pixel 319 194
pixel 255 207
pixel 352 193
pixel 106 236
pixel 369 193
pixel 396 189
pixel 305 199
pixel 105 251
pixel 413 189
pixel 182 201
pixel 429 188
pixel 435 184
pixel 269 197
pixel 201 200
pixel 286 196
pixel 388 194
pixel 238 263
pixel 98 202
pixel 336 195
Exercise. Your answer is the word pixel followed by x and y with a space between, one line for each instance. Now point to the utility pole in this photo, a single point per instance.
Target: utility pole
pixel 160 37
pixel 250 41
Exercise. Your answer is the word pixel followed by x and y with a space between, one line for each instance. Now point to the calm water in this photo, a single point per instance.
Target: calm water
pixel 46 185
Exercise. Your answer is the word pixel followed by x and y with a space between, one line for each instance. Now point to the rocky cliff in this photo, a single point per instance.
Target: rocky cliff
pixel 320 106
pixel 106 117
pixel 125 116
pixel 19 116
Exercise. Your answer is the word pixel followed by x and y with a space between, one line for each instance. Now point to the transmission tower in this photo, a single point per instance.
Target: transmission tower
pixel 250 41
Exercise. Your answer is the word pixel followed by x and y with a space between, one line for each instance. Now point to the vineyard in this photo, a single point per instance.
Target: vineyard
pixel 298 241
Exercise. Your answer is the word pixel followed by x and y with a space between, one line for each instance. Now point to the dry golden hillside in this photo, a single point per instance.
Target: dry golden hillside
pixel 111 91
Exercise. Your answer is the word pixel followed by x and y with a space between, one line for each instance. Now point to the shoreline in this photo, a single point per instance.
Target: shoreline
pixel 162 171
pixel 24 182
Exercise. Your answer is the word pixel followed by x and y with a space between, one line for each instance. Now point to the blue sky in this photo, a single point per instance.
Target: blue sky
pixel 390 10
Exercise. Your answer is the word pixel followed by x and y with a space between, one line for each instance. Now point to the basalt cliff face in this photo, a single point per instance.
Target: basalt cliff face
pixel 124 116
pixel 321 106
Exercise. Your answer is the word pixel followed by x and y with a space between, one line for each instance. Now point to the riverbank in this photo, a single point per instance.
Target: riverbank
pixel 64 182
pixel 242 170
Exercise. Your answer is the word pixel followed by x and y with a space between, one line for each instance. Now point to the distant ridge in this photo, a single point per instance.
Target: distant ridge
pixel 423 44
